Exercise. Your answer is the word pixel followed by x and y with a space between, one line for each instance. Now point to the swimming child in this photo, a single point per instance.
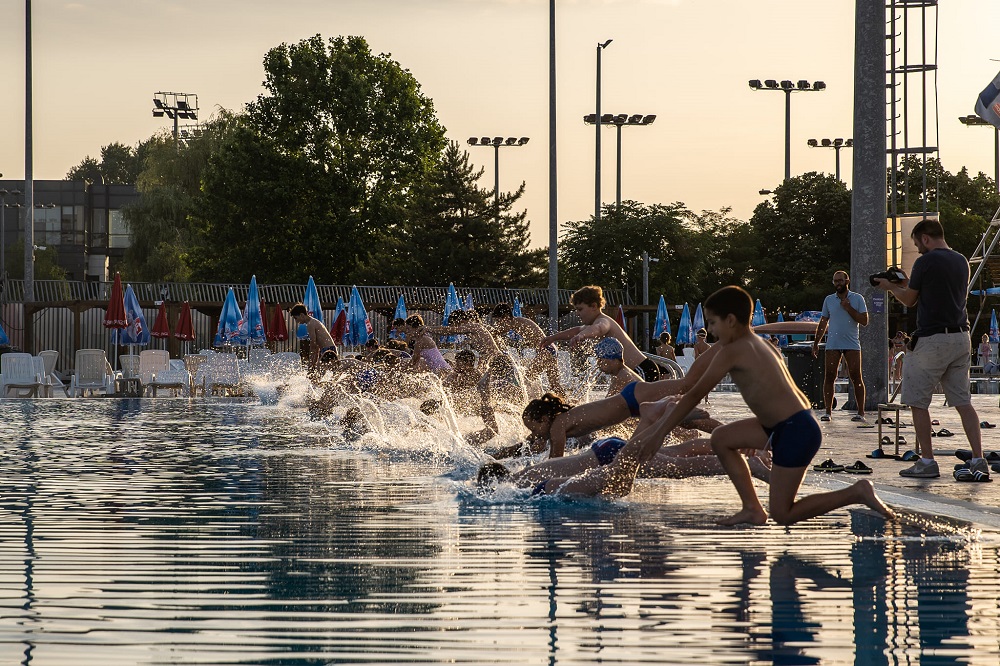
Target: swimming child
pixel 609 361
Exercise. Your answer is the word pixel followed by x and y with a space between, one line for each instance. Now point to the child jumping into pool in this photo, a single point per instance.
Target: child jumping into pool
pixel 782 420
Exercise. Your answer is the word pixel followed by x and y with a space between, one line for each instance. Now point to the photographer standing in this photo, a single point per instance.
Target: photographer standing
pixel 940 349
pixel 844 311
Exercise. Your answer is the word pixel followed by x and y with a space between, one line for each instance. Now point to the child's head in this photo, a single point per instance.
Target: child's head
pixel 665 338
pixel 415 321
pixel 538 414
pixel 731 300
pixel 299 310
pixel 502 311
pixel 609 355
pixel 458 317
pixel 588 302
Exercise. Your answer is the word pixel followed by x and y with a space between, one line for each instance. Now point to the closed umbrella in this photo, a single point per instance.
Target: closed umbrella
pixel 662 319
pixel 277 327
pixel 360 328
pixel 620 317
pixel 758 314
pixel 685 332
pixel 229 321
pixel 698 322
pixel 340 309
pixel 782 339
pixel 313 307
pixel 994 329
pixel 451 304
pixel 517 307
pixel 4 340
pixel 469 305
pixel 161 327
pixel 400 313
pixel 136 333
pixel 114 316
pixel 252 323
pixel 185 325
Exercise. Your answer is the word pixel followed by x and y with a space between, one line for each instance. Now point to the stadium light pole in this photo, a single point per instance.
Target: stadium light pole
pixel 975 121
pixel 497 143
pixel 553 180
pixel 597 160
pixel 618 121
pixel 787 87
pixel 176 106
pixel 836 144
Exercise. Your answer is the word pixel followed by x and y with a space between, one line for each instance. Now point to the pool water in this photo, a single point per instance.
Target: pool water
pixel 227 532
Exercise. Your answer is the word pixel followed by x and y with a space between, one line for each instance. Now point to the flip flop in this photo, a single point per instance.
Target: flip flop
pixel 887 420
pixel 858 468
pixel 944 432
pixel 910 455
pixel 866 425
pixel 886 441
pixel 828 466
pixel 992 457
pixel 935 422
pixel 966 474
pixel 995 467
pixel 964 454
pixel 987 424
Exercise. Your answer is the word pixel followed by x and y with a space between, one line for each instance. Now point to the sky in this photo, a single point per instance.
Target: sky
pixel 484 63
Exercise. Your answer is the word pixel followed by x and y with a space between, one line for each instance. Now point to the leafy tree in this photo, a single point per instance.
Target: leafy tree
pixel 45 267
pixel 119 165
pixel 453 232
pixel 318 170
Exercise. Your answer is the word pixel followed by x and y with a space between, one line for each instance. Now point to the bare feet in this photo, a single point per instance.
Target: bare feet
pixel 755 516
pixel 868 497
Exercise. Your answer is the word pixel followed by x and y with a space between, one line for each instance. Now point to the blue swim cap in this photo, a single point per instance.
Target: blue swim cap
pixel 609 348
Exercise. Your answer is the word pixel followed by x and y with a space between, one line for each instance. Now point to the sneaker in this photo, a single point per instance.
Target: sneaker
pixel 922 470
pixel 975 471
pixel 825 417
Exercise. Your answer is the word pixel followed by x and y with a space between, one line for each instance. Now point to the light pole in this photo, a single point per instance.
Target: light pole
pixel 618 121
pixel 553 180
pixel 975 121
pixel 3 231
pixel 836 144
pixel 176 106
pixel 645 292
pixel 496 143
pixel 597 160
pixel 788 88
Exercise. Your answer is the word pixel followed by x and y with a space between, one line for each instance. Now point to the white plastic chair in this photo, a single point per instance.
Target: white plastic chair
pixel 20 375
pixel 52 380
pixel 151 363
pixel 220 375
pixel 92 373
pixel 129 365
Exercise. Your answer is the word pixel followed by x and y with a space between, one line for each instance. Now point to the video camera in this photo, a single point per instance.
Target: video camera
pixel 892 274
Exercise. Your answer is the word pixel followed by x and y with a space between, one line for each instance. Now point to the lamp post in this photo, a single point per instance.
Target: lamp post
pixel 836 144
pixel 597 160
pixel 645 292
pixel 176 106
pixel 618 121
pixel 496 143
pixel 788 88
pixel 553 180
pixel 975 121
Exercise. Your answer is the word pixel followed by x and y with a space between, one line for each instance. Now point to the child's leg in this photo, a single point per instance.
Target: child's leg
pixel 557 468
pixel 727 441
pixel 785 482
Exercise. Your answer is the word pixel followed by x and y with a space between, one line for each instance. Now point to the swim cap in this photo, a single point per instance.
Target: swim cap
pixel 609 348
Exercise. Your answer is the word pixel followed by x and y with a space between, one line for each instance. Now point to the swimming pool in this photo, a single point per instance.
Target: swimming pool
pixel 226 532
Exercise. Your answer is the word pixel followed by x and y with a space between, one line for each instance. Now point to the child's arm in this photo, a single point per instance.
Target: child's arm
pixel 599 329
pixel 561 335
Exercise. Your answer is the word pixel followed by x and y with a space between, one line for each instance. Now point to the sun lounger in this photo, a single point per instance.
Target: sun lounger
pixel 92 373
pixel 19 375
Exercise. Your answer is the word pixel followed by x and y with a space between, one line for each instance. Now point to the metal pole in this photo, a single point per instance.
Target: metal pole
pixel 996 158
pixel 496 179
pixel 618 177
pixel 29 184
pixel 836 150
pixel 788 134
pixel 645 294
pixel 553 180
pixel 597 157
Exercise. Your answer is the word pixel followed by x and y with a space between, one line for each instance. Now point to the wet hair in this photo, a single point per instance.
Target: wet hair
pixel 415 321
pixel 329 356
pixel 298 309
pixel 458 317
pixel 702 333
pixel 931 228
pixel 395 345
pixel 548 406
pixel 428 407
pixel 665 338
pixel 492 472
pixel 589 295
pixel 466 355
pixel 502 311
pixel 372 342
pixel 381 355
pixel 398 321
pixel 731 300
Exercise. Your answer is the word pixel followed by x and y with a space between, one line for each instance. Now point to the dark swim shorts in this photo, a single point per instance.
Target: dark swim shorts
pixel 629 394
pixel 795 440
pixel 606 449
pixel 648 370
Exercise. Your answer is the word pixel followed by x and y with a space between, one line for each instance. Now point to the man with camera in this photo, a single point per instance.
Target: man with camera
pixel 940 349
pixel 844 311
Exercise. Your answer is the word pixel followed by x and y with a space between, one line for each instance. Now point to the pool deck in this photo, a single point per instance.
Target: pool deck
pixel 845 442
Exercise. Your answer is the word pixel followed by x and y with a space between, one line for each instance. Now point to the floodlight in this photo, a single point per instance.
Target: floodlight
pixel 771 83
pixel 813 143
pixel 826 143
pixel 755 84
pixel 787 85
pixel 838 142
pixel 819 85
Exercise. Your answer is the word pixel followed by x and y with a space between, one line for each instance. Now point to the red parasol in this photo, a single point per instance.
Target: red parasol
pixel 161 327
pixel 340 326
pixel 620 317
pixel 185 328
pixel 114 316
pixel 277 327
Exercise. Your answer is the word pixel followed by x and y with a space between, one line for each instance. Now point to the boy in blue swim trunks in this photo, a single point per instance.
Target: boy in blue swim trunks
pixel 782 420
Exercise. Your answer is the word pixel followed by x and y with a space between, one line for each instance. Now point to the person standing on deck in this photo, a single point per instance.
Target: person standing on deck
pixel 845 312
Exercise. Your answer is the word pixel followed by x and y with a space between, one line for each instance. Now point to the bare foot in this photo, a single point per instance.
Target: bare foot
pixel 871 500
pixel 751 516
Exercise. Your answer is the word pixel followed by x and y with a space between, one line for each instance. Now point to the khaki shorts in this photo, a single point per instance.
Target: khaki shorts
pixel 944 358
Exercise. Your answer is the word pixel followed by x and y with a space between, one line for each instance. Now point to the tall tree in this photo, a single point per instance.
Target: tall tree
pixel 318 170
pixel 453 231
pixel 119 165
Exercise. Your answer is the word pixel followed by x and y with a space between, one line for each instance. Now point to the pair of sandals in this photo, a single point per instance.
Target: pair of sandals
pixel 966 455
pixel 943 432
pixel 829 466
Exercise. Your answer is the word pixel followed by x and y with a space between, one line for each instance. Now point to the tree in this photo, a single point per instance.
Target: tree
pixel 119 165
pixel 317 172
pixel 453 232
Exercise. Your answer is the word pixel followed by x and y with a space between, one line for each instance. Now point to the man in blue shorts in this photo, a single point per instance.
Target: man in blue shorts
pixel 844 311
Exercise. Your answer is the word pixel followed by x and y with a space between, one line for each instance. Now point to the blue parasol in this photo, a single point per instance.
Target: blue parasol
pixel 313 307
pixel 136 333
pixel 4 340
pixel 359 327
pixel 994 329
pixel 685 333
pixel 758 314
pixel 469 305
pixel 662 319
pixel 809 315
pixel 252 322
pixel 451 304
pixel 699 319
pixel 517 307
pixel 782 339
pixel 400 313
pixel 229 321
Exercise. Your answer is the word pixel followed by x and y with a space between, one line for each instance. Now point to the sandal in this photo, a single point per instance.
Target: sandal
pixel 992 457
pixel 909 456
pixel 828 466
pixel 944 432
pixel 987 424
pixel 966 474
pixel 858 468
pixel 886 441
pixel 935 422
pixel 964 454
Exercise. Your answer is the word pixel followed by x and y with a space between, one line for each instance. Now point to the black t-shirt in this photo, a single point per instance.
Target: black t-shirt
pixel 942 278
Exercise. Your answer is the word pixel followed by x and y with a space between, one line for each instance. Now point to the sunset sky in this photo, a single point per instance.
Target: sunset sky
pixel 715 142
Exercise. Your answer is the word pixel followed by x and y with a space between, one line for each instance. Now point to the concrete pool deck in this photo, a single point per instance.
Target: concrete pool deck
pixel 845 442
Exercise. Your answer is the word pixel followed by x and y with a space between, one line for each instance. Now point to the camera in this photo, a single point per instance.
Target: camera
pixel 892 274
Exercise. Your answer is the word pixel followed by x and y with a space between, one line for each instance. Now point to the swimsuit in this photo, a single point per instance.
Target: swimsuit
pixel 434 360
pixel 648 370
pixel 629 394
pixel 606 449
pixel 326 349
pixel 795 440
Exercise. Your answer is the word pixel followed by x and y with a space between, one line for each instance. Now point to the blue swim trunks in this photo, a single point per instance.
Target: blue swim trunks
pixel 629 394
pixel 795 440
pixel 606 449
